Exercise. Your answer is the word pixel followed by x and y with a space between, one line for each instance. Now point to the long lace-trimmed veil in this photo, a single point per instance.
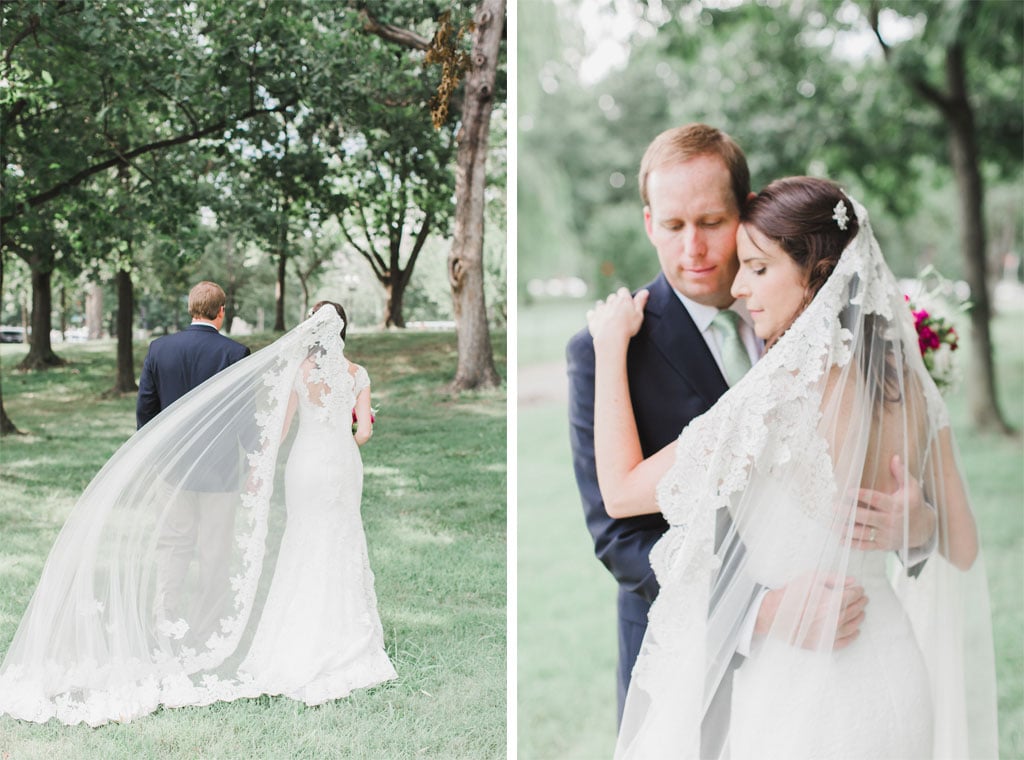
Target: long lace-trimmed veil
pixel 95 644
pixel 784 452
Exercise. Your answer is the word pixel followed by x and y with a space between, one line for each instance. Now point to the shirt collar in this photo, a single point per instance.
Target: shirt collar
pixel 702 314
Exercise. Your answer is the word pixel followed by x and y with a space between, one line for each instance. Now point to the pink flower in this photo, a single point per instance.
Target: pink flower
pixel 932 332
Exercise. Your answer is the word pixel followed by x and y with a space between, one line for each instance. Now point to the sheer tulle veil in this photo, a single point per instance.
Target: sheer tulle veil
pixel 783 454
pixel 99 641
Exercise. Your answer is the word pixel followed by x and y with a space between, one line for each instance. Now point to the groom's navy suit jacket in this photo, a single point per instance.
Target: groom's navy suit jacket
pixel 672 378
pixel 175 365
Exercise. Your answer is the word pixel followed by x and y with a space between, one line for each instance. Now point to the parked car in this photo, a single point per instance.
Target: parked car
pixel 12 334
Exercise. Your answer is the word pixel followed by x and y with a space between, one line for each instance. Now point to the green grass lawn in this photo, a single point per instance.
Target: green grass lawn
pixel 566 606
pixel 435 516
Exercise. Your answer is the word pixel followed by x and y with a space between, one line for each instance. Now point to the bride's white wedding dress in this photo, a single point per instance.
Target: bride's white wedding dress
pixel 299 615
pixel 319 634
pixel 784 453
pixel 869 700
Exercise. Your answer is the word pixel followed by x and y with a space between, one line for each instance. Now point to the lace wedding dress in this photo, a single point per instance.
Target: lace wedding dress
pixel 871 699
pixel 115 630
pixel 783 453
pixel 319 634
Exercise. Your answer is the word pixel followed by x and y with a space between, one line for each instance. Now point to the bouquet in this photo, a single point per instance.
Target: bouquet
pixel 936 335
pixel 355 422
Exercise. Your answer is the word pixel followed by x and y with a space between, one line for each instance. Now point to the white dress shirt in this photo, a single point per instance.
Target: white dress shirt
pixel 702 316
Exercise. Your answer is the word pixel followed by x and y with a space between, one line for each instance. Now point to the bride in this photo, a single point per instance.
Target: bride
pixel 274 433
pixel 840 404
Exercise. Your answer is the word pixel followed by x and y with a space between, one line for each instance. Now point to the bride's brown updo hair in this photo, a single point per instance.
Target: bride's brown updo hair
pixel 337 308
pixel 798 214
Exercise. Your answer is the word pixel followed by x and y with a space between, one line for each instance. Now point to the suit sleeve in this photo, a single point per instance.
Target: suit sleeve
pixel 622 545
pixel 147 404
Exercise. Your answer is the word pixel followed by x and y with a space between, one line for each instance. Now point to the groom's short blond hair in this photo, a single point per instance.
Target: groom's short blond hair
pixel 205 300
pixel 680 144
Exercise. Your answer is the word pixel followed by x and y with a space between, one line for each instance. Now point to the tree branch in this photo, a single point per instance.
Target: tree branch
pixel 421 238
pixel 377 256
pixel 873 13
pixel 395 233
pixel 125 161
pixel 33 27
pixel 376 263
pixel 61 187
pixel 179 103
pixel 403 37
pixel 923 88
pixel 30 29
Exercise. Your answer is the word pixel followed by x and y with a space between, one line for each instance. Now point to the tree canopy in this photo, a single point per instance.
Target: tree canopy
pixel 151 137
pixel 913 106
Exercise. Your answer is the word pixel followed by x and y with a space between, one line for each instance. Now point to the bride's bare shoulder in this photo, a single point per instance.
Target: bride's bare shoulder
pixel 354 368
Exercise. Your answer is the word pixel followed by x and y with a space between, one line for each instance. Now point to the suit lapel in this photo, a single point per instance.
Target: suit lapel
pixel 676 336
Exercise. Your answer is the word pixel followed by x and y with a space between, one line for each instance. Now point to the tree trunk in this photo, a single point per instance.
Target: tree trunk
pixel 125 311
pixel 94 311
pixel 394 296
pixel 304 284
pixel 40 353
pixel 230 284
pixel 229 310
pixel 7 426
pixel 465 262
pixel 282 260
pixel 981 385
pixel 63 310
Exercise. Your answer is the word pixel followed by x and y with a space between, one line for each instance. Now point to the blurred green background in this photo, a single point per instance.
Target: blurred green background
pixel 804 88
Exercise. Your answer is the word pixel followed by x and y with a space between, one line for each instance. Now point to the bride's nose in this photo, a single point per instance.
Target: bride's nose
pixel 739 287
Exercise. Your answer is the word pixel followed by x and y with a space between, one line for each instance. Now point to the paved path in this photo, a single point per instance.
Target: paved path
pixel 542 384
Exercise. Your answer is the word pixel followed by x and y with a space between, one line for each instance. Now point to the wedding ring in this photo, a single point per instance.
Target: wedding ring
pixel 872 535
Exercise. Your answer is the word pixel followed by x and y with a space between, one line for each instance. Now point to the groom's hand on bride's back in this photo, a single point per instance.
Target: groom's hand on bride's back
pixel 819 612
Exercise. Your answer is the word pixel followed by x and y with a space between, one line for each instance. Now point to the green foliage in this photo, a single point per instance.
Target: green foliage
pixel 803 88
pixel 434 513
pixel 250 109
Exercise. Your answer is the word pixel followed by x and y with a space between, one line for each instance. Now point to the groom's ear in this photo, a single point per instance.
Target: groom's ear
pixel 647 222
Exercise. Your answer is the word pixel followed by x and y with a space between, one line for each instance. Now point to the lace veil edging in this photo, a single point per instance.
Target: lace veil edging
pixel 92 645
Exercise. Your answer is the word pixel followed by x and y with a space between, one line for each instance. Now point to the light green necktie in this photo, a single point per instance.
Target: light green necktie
pixel 735 359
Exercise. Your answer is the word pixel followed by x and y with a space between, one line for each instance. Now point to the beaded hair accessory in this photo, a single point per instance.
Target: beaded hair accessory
pixel 839 214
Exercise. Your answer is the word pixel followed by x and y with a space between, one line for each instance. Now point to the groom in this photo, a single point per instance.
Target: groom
pixel 200 515
pixel 693 182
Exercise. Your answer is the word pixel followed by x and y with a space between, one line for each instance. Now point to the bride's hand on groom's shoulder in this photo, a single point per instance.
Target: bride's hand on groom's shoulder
pixel 616 319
